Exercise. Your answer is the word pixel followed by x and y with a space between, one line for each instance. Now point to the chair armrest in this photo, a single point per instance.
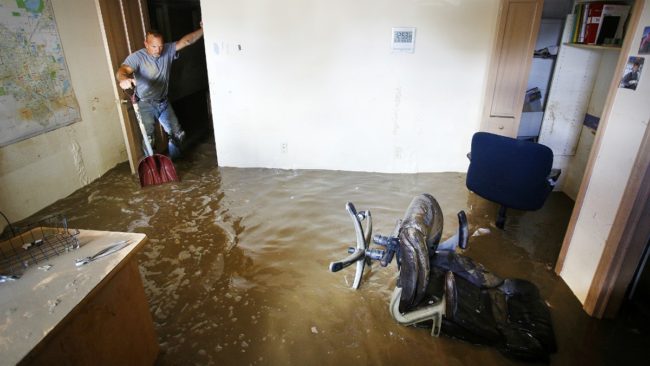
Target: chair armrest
pixel 553 176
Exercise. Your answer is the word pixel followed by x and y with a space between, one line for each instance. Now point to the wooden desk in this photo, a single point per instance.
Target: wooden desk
pixel 94 314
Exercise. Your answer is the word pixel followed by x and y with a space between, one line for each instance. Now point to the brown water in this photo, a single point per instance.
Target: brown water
pixel 236 268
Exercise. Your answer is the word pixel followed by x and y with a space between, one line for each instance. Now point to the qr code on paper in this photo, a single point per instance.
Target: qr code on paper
pixel 403 37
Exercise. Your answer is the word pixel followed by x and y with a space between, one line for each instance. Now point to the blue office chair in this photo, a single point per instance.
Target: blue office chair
pixel 513 173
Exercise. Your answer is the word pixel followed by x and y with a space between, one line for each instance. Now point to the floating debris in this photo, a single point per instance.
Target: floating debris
pixel 481 231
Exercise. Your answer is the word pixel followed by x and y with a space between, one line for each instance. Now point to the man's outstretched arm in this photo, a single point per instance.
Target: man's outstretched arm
pixel 189 38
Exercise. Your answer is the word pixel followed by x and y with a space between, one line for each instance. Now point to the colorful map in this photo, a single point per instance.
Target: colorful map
pixel 36 95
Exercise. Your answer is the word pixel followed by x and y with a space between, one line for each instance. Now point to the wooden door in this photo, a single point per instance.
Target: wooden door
pixel 517 27
pixel 125 23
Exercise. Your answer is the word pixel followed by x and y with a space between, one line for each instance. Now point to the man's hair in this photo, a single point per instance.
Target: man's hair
pixel 154 33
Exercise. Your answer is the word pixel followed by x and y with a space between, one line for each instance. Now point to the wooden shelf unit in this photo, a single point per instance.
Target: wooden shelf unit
pixel 594 46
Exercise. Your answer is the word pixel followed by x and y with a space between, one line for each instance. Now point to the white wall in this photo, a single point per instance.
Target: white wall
pixel 574 166
pixel 38 171
pixel 620 144
pixel 315 85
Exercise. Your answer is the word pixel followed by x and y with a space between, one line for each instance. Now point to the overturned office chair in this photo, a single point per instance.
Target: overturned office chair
pixel 513 173
pixel 440 288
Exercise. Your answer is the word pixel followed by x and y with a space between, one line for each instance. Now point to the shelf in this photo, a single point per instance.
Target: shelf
pixel 594 46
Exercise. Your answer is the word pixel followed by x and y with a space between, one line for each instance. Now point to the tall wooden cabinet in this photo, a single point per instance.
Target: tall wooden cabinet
pixel 518 24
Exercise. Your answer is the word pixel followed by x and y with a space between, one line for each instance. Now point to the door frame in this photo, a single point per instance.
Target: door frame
pixel 123 26
pixel 625 243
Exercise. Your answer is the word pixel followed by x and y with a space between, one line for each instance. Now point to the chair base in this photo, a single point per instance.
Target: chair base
pixel 501 217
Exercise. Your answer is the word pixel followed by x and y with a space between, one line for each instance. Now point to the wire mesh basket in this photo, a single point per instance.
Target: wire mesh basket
pixel 35 243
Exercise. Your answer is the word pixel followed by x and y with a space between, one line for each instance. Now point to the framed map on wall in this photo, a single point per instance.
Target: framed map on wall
pixel 36 94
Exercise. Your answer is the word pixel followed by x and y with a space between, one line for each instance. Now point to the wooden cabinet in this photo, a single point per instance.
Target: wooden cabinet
pixel 518 24
pixel 95 314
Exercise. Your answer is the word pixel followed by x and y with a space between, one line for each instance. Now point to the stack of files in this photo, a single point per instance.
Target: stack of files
pixel 599 22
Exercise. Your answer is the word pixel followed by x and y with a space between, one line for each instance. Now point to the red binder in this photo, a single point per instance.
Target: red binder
pixel 593 22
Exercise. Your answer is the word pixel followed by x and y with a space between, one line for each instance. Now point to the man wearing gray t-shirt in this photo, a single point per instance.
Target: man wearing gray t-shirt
pixel 148 70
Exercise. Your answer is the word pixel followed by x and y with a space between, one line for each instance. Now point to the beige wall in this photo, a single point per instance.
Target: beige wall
pixel 620 143
pixel 315 84
pixel 45 168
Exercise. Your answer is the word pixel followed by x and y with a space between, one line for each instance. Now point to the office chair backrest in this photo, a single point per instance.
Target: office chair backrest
pixel 510 172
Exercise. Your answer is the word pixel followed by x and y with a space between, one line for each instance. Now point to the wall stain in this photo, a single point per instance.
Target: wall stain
pixel 77 155
pixel 398 102
pixel 93 103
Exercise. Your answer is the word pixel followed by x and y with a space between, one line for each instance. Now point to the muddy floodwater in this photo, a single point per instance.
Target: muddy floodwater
pixel 236 266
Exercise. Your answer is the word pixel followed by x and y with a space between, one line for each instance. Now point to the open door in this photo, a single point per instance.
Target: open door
pixel 125 23
pixel 517 28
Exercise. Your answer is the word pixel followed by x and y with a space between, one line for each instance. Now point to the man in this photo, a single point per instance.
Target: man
pixel 148 71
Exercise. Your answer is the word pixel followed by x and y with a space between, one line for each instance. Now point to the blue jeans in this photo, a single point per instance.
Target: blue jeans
pixel 152 111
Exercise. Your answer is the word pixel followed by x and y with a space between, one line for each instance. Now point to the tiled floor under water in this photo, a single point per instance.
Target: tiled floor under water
pixel 236 268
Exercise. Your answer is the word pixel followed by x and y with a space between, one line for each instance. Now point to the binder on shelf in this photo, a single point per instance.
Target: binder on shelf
pixel 569 28
pixel 593 22
pixel 613 18
pixel 583 22
pixel 577 11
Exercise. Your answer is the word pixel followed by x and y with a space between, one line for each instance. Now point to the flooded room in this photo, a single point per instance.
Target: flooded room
pixel 446 182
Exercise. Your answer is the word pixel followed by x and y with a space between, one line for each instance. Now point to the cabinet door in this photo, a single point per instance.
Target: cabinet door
pixel 124 28
pixel 517 28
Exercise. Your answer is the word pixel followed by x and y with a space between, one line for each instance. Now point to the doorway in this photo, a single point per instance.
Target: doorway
pixel 125 24
pixel 547 44
pixel 188 85
pixel 636 305
pixel 576 101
